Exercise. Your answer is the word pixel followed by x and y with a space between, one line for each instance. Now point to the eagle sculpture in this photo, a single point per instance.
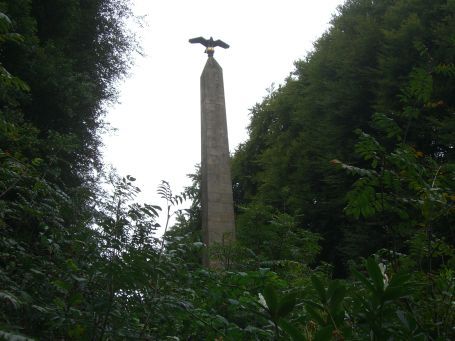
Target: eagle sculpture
pixel 209 44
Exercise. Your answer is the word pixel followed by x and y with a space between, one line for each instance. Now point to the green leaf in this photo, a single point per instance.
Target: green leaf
pixel 388 125
pixel 16 37
pixel 338 292
pixel 5 21
pixel 314 304
pixel 397 287
pixel 375 273
pixel 421 84
pixel 315 315
pixel 7 296
pixel 4 17
pixel 317 284
pixel 286 305
pixel 271 298
pixel 71 264
pixel 222 319
pixel 363 279
pixel 324 334
pixel 403 319
pixel 233 302
pixel 42 310
pixel 61 285
pixel 78 279
pixel 292 331
pixel 198 244
pixel 399 279
pixel 13 337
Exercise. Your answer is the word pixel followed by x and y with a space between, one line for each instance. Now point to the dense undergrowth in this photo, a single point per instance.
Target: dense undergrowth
pixel 364 177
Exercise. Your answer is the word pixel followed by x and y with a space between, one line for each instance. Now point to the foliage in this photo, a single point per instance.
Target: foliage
pixel 80 258
pixel 276 236
pixel 389 57
pixel 72 51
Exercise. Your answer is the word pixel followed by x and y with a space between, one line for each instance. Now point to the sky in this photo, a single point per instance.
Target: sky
pixel 157 119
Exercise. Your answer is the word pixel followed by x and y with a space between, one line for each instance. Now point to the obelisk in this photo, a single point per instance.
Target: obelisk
pixel 218 224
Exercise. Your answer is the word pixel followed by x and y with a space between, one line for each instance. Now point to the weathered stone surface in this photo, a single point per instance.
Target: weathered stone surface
pixel 217 205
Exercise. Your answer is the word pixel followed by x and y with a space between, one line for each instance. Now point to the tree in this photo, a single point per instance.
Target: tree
pixel 376 56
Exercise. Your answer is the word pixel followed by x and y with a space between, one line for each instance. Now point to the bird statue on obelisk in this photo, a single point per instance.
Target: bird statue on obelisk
pixel 218 224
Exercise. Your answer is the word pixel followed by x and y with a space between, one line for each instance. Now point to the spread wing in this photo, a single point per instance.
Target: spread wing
pixel 199 40
pixel 220 43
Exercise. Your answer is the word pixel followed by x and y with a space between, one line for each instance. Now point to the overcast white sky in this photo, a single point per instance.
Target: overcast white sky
pixel 158 117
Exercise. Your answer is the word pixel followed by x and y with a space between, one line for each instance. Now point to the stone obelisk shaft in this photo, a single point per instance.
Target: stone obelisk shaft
pixel 217 204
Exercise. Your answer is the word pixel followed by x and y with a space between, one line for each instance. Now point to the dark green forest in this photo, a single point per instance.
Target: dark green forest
pixel 344 190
